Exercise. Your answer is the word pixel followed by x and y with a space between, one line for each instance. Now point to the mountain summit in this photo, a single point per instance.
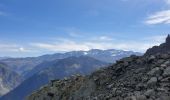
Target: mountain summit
pixel 168 39
pixel 163 48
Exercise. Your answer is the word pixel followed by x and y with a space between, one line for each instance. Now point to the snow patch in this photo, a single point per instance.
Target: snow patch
pixel 85 53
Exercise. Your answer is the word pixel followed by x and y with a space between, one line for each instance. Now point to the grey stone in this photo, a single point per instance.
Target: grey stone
pixel 164 98
pixel 164 56
pixel 160 61
pixel 151 58
pixel 141 97
pixel 167 62
pixel 152 81
pixel 167 80
pixel 155 71
pixel 166 72
pixel 140 87
pixel 110 86
pixel 149 92
pixel 161 89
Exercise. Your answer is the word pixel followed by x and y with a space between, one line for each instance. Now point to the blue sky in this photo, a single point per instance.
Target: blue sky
pixel 36 27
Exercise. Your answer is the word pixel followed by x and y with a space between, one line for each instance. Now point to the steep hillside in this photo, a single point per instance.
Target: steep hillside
pixel 136 78
pixel 40 67
pixel 58 70
pixel 8 79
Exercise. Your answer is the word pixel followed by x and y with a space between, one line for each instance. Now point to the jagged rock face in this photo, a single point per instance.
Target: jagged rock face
pixel 168 39
pixel 163 48
pixel 132 78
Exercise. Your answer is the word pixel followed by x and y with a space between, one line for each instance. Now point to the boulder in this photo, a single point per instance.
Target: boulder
pixel 141 97
pixel 155 72
pixel 152 81
pixel 149 92
pixel 166 72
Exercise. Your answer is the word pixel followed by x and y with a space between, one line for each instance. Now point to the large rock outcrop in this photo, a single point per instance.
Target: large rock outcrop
pixel 163 48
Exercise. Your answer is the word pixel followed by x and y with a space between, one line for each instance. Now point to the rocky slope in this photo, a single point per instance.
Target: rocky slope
pixel 132 78
pixel 8 79
pixel 55 70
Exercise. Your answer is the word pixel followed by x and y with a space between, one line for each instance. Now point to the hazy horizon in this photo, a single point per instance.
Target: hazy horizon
pixel 33 28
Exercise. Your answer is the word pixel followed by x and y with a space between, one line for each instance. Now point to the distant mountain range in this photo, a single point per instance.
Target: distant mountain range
pixel 56 70
pixel 8 79
pixel 38 71
pixel 3 58
pixel 23 65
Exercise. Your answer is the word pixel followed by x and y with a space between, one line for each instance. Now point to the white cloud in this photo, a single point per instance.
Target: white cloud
pixel 161 17
pixel 93 45
pixel 106 38
pixel 102 38
pixel 167 1
pixel 75 34
pixel 156 39
pixel 132 45
pixel 66 46
pixel 70 45
pixel 22 49
pixel 12 48
pixel 8 47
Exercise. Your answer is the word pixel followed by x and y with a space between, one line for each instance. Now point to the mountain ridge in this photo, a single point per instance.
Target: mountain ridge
pixel 24 65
